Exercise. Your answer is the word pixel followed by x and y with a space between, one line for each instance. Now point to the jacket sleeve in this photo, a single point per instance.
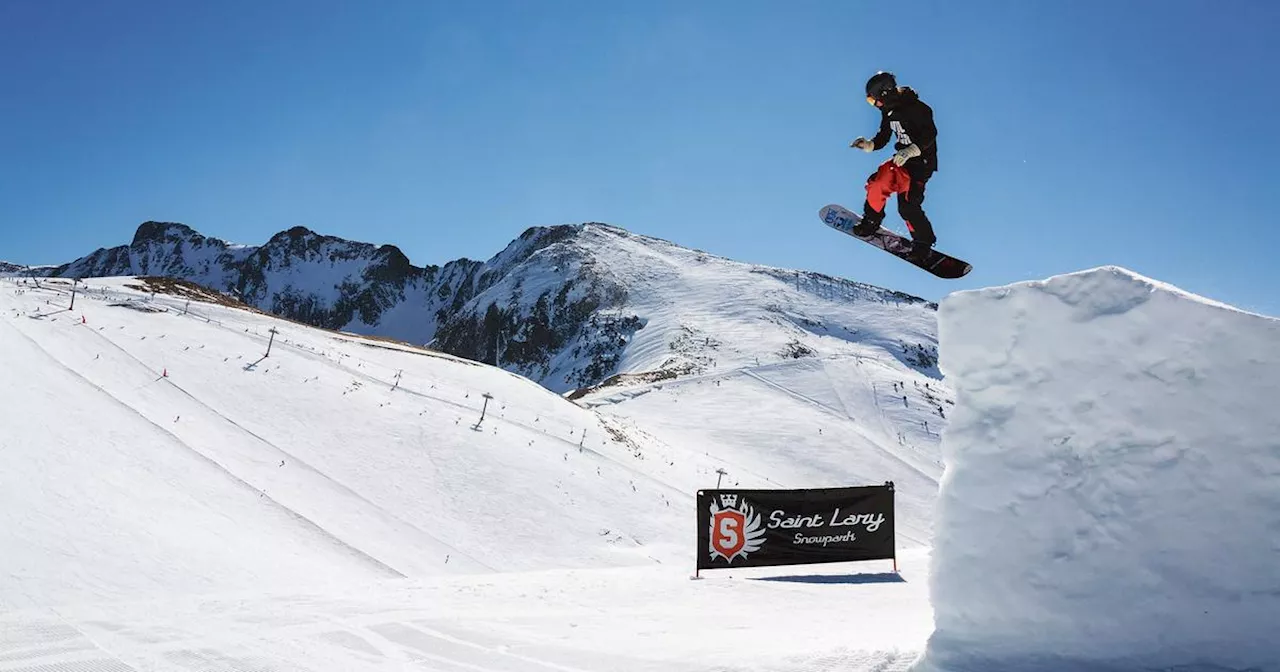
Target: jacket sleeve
pixel 925 133
pixel 883 135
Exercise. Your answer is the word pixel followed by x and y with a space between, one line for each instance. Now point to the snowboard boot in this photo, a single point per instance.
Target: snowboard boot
pixel 870 222
pixel 920 250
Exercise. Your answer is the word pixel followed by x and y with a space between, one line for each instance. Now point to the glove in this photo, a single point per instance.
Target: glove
pixel 905 154
pixel 863 144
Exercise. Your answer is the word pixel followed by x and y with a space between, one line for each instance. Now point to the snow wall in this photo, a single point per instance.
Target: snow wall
pixel 1111 499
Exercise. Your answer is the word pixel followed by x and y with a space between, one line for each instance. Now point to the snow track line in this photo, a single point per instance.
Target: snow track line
pixel 856 427
pixel 297 461
pixel 229 474
pixel 797 395
pixel 844 403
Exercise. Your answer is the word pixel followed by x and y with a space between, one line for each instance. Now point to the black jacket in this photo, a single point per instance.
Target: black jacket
pixel 912 121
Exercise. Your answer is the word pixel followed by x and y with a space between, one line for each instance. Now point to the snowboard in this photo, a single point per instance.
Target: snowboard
pixel 938 263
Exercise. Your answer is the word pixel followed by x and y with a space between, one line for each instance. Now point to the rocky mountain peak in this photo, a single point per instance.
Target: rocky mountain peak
pixel 161 232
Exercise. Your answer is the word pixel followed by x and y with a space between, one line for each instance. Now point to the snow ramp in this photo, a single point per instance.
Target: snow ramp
pixel 1110 497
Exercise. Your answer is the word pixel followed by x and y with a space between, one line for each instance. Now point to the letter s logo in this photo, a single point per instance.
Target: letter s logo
pixel 729 533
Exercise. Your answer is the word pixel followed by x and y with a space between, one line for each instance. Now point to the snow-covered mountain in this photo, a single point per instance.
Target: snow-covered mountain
pixel 575 306
pixel 320 280
pixel 9 268
pixel 569 306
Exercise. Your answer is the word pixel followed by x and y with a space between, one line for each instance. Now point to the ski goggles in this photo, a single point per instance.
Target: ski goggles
pixel 873 101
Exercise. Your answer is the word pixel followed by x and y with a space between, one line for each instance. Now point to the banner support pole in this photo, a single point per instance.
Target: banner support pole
pixel 697 568
pixel 895 536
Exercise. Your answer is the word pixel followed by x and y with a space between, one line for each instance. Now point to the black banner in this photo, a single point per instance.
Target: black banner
pixel 756 528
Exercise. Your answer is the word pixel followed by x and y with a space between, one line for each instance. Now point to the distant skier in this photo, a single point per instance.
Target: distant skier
pixel 903 114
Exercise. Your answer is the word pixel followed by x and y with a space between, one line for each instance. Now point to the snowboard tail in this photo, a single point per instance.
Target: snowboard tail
pixel 940 264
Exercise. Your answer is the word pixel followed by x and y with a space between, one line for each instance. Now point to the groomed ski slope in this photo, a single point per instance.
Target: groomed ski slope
pixel 98 500
pixel 398 481
pixel 1111 498
pixel 629 620
pixel 173 500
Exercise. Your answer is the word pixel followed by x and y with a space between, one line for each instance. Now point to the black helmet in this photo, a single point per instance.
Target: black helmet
pixel 881 84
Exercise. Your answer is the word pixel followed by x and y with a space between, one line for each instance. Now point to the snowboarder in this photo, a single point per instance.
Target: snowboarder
pixel 903 114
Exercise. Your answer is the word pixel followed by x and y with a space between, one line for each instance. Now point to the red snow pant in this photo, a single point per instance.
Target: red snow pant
pixel 890 179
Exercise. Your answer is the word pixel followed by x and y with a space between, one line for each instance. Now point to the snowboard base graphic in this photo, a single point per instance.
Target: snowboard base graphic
pixel 938 263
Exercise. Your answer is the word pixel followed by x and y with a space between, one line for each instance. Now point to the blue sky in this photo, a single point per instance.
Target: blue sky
pixel 1072 134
